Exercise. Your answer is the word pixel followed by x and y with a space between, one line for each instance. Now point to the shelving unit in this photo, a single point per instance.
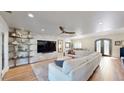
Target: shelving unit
pixel 19 47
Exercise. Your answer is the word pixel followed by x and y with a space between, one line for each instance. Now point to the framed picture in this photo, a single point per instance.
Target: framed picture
pixel 60 46
pixel 117 43
pixel 67 44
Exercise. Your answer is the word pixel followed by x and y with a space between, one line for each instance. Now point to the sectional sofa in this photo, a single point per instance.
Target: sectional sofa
pixel 79 68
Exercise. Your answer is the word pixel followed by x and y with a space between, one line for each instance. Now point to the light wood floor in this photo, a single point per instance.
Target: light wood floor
pixel 110 69
pixel 21 73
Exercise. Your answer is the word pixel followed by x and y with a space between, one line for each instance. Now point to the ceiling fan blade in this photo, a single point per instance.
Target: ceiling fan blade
pixel 65 32
pixel 62 29
pixel 69 32
pixel 9 12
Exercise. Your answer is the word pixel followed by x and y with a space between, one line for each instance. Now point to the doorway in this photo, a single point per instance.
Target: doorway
pixel 104 46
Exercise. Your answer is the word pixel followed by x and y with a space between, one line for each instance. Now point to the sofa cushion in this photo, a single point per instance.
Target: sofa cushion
pixel 59 63
pixel 73 63
pixel 82 53
pixel 68 65
pixel 92 55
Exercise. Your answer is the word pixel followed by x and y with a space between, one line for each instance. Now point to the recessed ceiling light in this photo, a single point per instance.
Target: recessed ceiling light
pixel 30 15
pixel 42 30
pixel 100 23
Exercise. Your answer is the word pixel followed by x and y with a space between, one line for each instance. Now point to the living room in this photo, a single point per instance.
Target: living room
pixel 61 46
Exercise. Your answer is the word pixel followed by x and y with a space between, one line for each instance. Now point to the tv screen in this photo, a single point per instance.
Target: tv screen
pixel 46 46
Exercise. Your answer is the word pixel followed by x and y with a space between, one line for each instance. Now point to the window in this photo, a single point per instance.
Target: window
pixel 77 44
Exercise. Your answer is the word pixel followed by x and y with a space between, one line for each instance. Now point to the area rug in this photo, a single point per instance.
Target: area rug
pixel 41 70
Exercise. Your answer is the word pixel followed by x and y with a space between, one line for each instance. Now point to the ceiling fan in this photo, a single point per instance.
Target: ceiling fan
pixel 65 32
pixel 8 12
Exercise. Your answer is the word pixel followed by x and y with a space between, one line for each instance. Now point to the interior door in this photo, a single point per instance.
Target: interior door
pixel 98 46
pixel 0 56
pixel 106 47
pixel 103 46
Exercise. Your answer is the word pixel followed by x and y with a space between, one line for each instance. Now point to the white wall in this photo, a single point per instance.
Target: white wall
pixel 89 42
pixel 42 56
pixel 4 29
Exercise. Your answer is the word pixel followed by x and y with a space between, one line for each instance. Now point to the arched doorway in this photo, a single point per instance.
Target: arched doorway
pixel 104 46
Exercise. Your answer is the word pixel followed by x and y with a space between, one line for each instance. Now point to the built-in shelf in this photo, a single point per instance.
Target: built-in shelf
pixel 10 44
pixel 18 41
pixel 23 51
pixel 20 58
pixel 20 44
pixel 20 37
pixel 26 50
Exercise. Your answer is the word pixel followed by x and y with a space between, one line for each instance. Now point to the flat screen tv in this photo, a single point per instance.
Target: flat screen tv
pixel 46 46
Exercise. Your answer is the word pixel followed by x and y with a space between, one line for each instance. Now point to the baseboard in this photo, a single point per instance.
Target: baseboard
pixel 4 71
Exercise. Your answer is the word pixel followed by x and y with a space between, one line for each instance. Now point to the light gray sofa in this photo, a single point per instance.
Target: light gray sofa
pixel 78 69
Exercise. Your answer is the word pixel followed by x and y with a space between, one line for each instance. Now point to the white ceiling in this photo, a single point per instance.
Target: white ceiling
pixel 79 21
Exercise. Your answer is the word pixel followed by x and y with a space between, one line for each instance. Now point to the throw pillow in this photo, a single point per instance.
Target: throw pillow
pixel 59 63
